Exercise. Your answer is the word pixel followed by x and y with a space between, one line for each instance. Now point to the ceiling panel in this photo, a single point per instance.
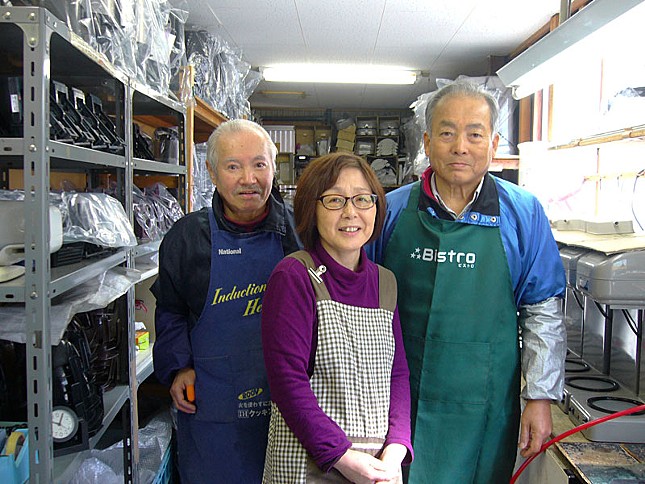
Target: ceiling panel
pixel 420 6
pixel 344 16
pixel 273 53
pixel 277 23
pixel 442 38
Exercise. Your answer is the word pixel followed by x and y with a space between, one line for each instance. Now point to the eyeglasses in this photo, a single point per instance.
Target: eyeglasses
pixel 362 201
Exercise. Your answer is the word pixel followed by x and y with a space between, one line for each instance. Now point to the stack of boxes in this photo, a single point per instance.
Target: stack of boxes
pixel 305 141
pixel 346 138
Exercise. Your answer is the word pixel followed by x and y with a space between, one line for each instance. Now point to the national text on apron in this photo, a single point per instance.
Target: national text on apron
pixel 225 440
pixel 355 353
pixel 460 331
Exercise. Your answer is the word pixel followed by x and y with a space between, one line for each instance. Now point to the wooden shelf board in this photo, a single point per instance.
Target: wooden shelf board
pixel 205 121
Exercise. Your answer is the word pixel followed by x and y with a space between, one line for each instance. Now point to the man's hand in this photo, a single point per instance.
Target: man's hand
pixel 362 468
pixel 184 377
pixel 536 426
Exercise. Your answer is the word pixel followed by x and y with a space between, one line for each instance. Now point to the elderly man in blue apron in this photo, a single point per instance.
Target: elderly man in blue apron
pixel 471 252
pixel 213 269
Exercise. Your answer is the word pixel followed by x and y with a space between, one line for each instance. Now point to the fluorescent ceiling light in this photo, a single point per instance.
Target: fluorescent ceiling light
pixel 339 73
pixel 585 34
pixel 301 94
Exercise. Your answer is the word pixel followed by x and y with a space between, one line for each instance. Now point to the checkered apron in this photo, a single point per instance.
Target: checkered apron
pixel 351 380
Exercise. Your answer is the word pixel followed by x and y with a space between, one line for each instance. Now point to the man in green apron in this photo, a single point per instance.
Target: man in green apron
pixel 477 266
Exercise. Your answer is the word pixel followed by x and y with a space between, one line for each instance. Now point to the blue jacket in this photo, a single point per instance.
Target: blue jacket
pixel 184 274
pixel 535 266
pixel 532 253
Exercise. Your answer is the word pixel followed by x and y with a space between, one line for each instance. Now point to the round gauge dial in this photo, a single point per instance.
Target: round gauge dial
pixel 64 424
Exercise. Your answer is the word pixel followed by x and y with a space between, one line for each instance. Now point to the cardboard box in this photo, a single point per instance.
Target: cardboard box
pixel 284 172
pixel 304 136
pixel 347 134
pixel 323 134
pixel 343 145
pixel 142 339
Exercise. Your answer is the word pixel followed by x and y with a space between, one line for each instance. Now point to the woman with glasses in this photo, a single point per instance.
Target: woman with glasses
pixel 332 341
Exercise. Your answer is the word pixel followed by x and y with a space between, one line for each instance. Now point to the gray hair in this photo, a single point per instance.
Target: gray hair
pixel 238 126
pixel 463 88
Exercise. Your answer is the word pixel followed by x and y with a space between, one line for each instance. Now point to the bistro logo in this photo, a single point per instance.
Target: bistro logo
pixel 465 260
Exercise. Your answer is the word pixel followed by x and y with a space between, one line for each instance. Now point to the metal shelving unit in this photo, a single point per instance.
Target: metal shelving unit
pixel 43 49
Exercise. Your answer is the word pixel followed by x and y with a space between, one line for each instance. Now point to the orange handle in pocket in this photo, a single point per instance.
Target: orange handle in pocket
pixel 190 393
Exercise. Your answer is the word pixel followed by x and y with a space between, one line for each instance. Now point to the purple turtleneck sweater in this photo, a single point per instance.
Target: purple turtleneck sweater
pixel 289 338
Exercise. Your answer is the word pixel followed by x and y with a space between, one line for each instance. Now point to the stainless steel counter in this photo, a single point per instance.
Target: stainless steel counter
pixel 590 462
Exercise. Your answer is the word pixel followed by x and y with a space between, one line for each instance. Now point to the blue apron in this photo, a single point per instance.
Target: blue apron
pixel 225 440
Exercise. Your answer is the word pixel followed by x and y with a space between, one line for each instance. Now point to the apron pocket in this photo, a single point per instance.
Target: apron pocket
pixel 250 384
pixel 214 391
pixel 455 372
pixel 249 373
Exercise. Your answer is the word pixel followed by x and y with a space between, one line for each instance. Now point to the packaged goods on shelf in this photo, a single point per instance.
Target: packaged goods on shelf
pixel 77 118
pixel 347 134
pixel 364 147
pixel 387 147
pixel 142 339
pixel 166 143
pixel 141 144
pixel 12 245
pixel 385 171
pixel 145 39
pixel 96 218
pixel 155 211
pixel 203 188
pixel 222 77
pixel 94 294
pixel 87 154
pixel 343 145
pixel 107 465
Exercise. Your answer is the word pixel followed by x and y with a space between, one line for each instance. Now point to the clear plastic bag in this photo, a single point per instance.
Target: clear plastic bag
pixel 203 187
pixel 146 227
pixel 94 294
pixel 155 211
pixel 222 77
pixel 106 466
pixel 167 207
pixel 96 218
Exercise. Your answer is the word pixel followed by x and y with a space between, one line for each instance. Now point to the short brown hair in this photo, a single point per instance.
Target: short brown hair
pixel 320 175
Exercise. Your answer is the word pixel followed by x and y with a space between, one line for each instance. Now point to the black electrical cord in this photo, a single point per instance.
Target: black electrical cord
pixel 604 313
pixel 574 291
pixel 632 324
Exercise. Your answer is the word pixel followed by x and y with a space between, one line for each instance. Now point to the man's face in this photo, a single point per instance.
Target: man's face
pixel 460 144
pixel 244 175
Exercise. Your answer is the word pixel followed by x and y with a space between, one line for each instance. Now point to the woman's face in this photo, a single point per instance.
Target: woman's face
pixel 343 232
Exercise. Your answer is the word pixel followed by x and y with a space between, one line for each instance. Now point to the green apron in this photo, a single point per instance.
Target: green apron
pixel 463 351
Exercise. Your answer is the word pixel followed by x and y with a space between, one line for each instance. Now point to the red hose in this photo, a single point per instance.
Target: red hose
pixel 574 430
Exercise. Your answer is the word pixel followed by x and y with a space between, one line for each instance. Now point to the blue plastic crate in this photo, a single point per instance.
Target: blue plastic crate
pixel 16 471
